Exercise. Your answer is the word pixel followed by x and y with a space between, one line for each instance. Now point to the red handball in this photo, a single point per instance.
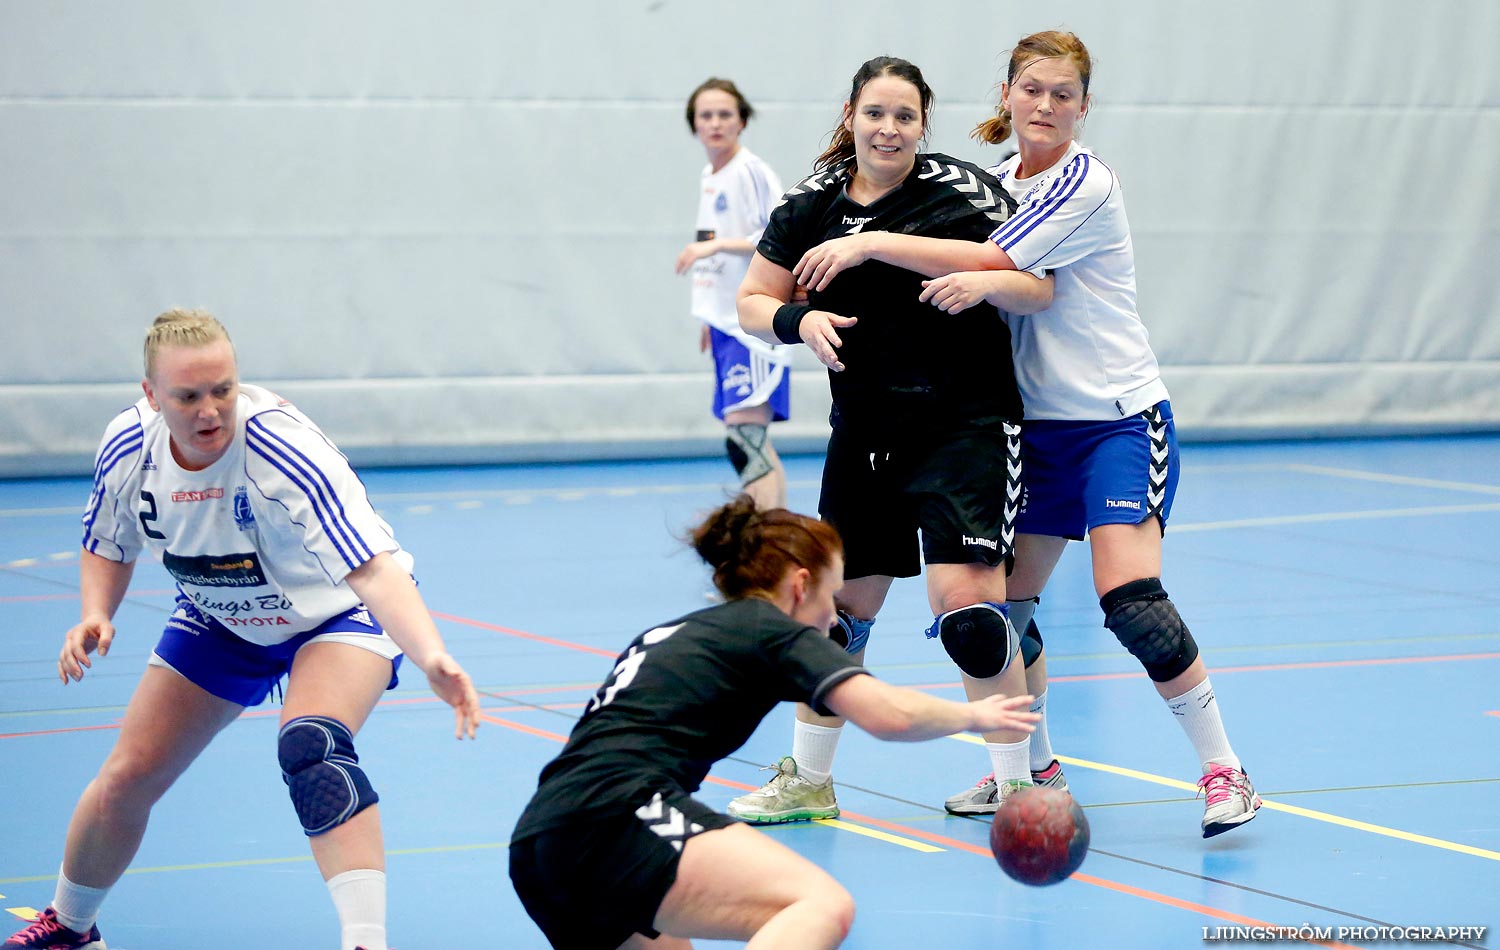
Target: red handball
pixel 1039 836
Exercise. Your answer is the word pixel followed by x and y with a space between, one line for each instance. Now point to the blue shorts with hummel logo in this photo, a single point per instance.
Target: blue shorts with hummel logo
pixel 1080 475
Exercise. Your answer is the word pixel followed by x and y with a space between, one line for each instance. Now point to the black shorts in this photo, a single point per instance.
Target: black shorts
pixel 961 493
pixel 591 885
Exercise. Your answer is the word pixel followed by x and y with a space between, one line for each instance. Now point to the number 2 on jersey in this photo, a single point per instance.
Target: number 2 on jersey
pixel 630 664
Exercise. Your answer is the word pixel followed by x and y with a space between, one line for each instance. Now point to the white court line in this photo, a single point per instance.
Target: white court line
pixel 1392 479
pixel 1336 516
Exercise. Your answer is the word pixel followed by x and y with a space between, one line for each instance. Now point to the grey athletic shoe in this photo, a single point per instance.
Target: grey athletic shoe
pixel 1051 777
pixel 1229 799
pixel 985 797
pixel 787 797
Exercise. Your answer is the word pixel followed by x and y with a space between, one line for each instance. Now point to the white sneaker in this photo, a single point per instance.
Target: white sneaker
pixel 787 797
pixel 986 797
pixel 1229 799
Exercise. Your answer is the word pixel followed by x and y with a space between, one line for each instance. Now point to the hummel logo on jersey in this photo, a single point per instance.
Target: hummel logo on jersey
pixel 855 219
pixel 982 542
pixel 963 181
pixel 1120 503
pixel 148 465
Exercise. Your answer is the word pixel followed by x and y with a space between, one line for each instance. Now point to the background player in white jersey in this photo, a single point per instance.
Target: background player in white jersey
pixel 282 569
pixel 753 380
pixel 613 850
pixel 1099 443
pixel 923 463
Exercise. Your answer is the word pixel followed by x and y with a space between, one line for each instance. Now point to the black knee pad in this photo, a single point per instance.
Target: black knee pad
pixel 1031 644
pixel 1031 636
pixel 1147 624
pixel 745 444
pixel 322 773
pixel 979 638
pixel 850 632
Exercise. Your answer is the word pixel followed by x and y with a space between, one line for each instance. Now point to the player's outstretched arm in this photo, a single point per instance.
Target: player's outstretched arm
pixel 102 585
pixel 392 597
pixel 1018 292
pixel 907 715
pixel 930 257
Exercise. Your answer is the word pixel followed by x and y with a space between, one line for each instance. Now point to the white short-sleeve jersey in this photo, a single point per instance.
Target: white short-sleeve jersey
pixel 734 202
pixel 262 539
pixel 1086 357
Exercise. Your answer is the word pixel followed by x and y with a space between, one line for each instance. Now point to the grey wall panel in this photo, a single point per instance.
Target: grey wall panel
pixel 450 226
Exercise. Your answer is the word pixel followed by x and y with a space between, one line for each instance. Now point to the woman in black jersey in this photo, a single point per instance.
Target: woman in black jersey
pixel 613 852
pixel 926 412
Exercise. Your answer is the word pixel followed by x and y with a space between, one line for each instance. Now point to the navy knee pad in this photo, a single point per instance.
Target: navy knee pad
pixel 850 632
pixel 1147 624
pixel 979 638
pixel 322 773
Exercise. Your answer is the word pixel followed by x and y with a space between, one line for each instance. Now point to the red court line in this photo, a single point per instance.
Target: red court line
pixel 524 635
pixel 954 843
pixel 1261 668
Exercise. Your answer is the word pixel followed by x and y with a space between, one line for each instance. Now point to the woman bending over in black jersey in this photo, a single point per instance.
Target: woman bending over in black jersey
pixel 613 851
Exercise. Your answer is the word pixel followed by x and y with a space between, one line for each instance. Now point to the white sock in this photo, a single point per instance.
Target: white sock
pixel 77 906
pixel 1198 713
pixel 1010 760
pixel 359 897
pixel 1041 745
pixel 813 748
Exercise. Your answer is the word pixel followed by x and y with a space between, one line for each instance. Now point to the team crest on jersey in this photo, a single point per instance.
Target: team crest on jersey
pixel 147 465
pixel 721 203
pixel 244 518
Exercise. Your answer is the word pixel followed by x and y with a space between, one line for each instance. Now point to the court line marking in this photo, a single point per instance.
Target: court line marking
pixel 1272 805
pixel 879 835
pixel 512 632
pixel 955 844
pixel 1257 668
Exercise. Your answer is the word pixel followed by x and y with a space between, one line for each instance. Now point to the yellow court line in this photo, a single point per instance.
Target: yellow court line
pixel 879 835
pixel 1273 806
pixel 28 914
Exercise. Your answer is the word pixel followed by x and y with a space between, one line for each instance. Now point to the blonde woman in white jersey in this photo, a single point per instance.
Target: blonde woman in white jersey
pixel 753 382
pixel 283 570
pixel 1098 440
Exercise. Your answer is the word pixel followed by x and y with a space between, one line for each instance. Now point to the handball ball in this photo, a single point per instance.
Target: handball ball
pixel 1039 836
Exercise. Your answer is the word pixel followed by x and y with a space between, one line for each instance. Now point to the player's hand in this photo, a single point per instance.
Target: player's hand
pixel 820 265
pixel 89 635
pixel 453 686
pixel 1003 712
pixel 956 293
pixel 695 252
pixel 819 330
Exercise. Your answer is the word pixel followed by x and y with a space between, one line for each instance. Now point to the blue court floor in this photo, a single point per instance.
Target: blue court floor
pixel 1344 593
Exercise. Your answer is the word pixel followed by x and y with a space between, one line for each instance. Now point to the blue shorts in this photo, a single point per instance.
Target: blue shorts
pixel 1083 474
pixel 208 655
pixel 747 378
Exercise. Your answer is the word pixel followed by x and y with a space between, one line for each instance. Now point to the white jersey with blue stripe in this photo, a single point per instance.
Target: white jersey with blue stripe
pixel 734 202
pixel 262 539
pixel 1087 356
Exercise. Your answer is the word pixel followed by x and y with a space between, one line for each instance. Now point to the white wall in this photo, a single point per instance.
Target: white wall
pixel 446 230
